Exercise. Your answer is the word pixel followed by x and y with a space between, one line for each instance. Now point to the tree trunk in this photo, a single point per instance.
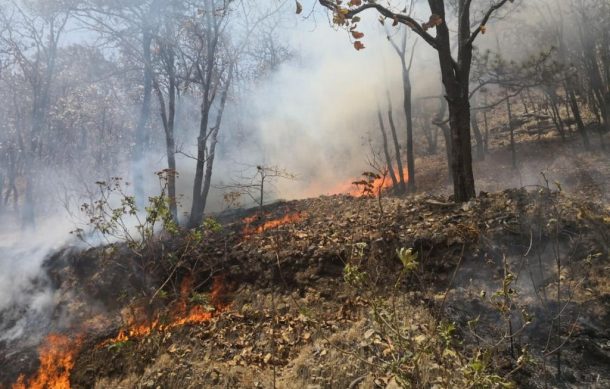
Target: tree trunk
pixel 577 117
pixel 552 97
pixel 213 142
pixel 401 172
pixel 478 137
pixel 197 205
pixel 476 130
pixel 461 164
pixel 407 105
pixel 486 123
pixel 456 79
pixel 440 122
pixel 168 119
pixel 386 152
pixel 513 151
pixel 140 141
pixel 206 75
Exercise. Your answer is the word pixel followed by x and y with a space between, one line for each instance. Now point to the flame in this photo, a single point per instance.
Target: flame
pixel 56 357
pixel 271 224
pixel 57 353
pixel 348 187
pixel 180 313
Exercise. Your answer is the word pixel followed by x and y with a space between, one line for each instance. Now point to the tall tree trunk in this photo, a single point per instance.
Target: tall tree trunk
pixel 513 151
pixel 577 117
pixel 556 115
pixel 477 131
pixel 441 122
pixel 141 136
pixel 386 151
pixel 408 108
pixel 207 74
pixel 401 172
pixel 456 79
pixel 168 118
pixel 197 205
pixel 486 124
pixel 213 142
pixel 478 136
pixel 461 165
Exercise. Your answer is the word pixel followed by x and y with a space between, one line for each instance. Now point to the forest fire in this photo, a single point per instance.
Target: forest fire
pixel 367 185
pixel 179 315
pixel 58 352
pixel 271 224
pixel 56 357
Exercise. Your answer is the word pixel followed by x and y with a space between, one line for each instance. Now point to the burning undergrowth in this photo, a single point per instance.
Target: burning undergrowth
pixel 300 283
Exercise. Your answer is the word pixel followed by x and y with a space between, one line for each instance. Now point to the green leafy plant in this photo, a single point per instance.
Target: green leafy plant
pixel 115 217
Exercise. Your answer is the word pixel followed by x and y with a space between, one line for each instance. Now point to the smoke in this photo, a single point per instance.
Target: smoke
pixel 27 297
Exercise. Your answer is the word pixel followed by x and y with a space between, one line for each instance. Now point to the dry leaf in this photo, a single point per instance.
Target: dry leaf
pixel 357 34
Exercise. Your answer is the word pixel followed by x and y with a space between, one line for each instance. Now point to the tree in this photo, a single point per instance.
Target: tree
pixel 166 85
pixel 131 25
pixel 401 172
pixel 254 183
pixel 406 65
pixel 386 151
pixel 455 72
pixel 32 35
pixel 217 59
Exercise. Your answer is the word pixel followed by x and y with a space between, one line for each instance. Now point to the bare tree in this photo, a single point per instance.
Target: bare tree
pixel 255 184
pixel 386 150
pixel 32 36
pixel 406 62
pixel 401 171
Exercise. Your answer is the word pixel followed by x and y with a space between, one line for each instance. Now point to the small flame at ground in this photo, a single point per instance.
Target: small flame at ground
pixel 348 187
pixel 180 313
pixel 56 361
pixel 271 224
pixel 378 184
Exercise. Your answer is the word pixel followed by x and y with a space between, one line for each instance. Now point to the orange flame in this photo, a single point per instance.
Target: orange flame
pixel 272 224
pixel 348 187
pixel 57 353
pixel 56 357
pixel 351 189
pixel 180 314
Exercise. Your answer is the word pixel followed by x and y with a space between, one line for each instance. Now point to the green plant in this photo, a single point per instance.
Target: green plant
pixel 408 259
pixel 115 217
pixel 212 225
pixel 353 275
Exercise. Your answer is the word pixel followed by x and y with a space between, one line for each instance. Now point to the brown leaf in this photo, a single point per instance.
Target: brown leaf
pixel 359 45
pixel 299 7
pixel 357 35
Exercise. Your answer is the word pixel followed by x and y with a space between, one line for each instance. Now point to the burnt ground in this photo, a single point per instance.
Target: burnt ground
pixel 293 316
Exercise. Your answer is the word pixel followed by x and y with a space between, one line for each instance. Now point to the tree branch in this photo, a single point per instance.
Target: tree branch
pixel 400 18
pixel 488 14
